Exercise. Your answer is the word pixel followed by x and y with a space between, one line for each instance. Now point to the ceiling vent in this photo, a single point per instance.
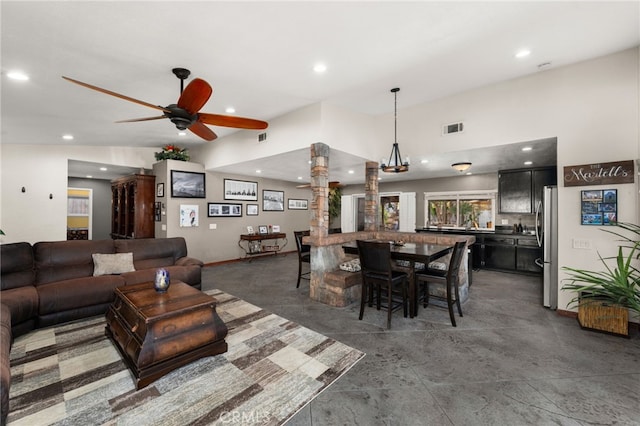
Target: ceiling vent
pixel 262 137
pixel 448 129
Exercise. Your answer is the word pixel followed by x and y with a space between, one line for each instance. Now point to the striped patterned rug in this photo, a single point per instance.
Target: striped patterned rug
pixel 72 374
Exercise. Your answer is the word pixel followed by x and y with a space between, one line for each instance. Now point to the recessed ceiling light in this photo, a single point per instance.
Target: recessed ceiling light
pixel 18 75
pixel 528 163
pixel 523 53
pixel 67 137
pixel 526 148
pixel 230 110
pixel 182 133
pixel 89 176
pixel 103 169
pixel 351 172
pixel 320 68
pixel 299 177
pixel 309 161
pixel 424 161
pixel 469 173
pixel 258 171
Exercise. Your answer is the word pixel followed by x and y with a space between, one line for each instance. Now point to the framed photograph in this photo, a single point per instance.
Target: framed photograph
pixel 272 201
pixel 188 216
pixel 263 229
pixel 160 190
pixel 252 210
pixel 275 228
pixel 599 207
pixel 240 190
pixel 187 184
pixel 297 204
pixel 224 210
pixel 157 211
pixel 250 230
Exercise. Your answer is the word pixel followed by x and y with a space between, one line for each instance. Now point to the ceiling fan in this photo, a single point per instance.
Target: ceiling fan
pixel 332 185
pixel 185 113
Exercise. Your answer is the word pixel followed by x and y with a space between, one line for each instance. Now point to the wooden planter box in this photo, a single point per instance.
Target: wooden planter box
pixel 602 315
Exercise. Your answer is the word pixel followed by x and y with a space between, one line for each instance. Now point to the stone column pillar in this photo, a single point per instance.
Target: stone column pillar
pixel 371 214
pixel 319 226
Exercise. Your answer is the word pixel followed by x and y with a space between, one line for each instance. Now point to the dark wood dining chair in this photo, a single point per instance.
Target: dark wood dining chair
pixel 447 279
pixel 378 276
pixel 304 255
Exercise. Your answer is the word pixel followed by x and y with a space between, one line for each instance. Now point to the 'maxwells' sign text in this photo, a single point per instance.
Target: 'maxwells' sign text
pixel 599 174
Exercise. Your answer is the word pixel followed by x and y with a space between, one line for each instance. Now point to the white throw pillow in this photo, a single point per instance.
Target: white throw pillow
pixel 105 264
pixel 351 266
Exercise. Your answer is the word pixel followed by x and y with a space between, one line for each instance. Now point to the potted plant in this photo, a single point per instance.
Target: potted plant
pixel 172 152
pixel 617 285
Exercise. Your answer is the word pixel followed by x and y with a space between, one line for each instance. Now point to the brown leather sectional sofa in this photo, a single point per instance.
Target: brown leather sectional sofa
pixel 53 282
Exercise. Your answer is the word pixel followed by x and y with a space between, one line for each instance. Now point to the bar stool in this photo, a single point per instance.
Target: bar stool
pixel 446 278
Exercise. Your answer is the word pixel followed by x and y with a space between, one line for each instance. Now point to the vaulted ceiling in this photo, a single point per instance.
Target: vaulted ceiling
pixel 259 57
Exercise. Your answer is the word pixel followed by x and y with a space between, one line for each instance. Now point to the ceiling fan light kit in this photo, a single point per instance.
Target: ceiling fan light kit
pixel 185 113
pixel 395 163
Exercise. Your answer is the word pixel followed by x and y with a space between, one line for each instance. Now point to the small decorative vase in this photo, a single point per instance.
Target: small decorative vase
pixel 162 280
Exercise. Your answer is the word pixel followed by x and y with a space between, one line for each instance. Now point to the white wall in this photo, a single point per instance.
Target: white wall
pixel 42 170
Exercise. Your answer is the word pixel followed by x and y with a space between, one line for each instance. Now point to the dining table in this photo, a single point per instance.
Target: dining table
pixel 413 253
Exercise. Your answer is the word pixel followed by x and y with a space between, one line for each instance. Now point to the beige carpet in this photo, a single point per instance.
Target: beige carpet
pixel 72 374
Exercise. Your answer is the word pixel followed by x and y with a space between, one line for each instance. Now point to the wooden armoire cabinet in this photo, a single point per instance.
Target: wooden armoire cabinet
pixel 132 199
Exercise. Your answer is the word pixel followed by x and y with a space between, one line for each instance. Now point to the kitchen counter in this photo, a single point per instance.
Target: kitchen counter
pixel 501 250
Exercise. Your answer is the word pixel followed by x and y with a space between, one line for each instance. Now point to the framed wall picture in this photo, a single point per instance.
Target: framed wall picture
pixel 224 210
pixel 187 184
pixel 252 210
pixel 272 201
pixel 240 190
pixel 298 204
pixel 157 211
pixel 599 207
pixel 188 216
pixel 263 229
pixel 160 189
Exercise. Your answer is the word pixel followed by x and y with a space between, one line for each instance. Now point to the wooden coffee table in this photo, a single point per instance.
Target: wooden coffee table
pixel 159 332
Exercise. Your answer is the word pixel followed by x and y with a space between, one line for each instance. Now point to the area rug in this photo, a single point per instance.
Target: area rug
pixel 72 374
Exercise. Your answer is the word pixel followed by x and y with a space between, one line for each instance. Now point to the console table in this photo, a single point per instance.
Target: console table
pixel 252 244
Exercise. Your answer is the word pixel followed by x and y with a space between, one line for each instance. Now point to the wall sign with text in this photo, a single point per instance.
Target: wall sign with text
pixel 599 173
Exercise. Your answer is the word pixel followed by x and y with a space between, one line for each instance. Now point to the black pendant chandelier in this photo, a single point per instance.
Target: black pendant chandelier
pixel 395 163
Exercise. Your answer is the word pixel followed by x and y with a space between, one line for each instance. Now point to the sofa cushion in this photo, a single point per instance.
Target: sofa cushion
pixel 153 252
pixel 77 292
pixel 22 303
pixel 116 263
pixel 65 260
pixel 17 268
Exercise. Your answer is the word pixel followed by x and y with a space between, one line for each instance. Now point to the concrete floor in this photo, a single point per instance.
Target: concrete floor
pixel 510 361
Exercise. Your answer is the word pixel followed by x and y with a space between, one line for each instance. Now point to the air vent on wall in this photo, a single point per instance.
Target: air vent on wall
pixel 448 129
pixel 262 137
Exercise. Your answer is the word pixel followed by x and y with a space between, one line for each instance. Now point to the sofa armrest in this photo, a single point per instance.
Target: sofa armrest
pixel 186 261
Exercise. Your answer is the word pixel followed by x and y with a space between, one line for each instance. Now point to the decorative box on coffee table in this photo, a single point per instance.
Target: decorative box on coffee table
pixel 159 332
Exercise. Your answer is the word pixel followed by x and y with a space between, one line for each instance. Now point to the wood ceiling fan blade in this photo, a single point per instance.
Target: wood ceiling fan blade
pixel 231 121
pixel 307 185
pixel 195 95
pixel 133 120
pixel 117 95
pixel 203 131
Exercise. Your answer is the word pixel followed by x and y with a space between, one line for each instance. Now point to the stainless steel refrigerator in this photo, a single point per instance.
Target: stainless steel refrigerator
pixel 547 235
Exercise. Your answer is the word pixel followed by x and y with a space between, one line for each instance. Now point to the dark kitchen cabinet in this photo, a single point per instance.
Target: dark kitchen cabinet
pixel 499 253
pixel 514 191
pixel 527 252
pixel 540 179
pixel 520 190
